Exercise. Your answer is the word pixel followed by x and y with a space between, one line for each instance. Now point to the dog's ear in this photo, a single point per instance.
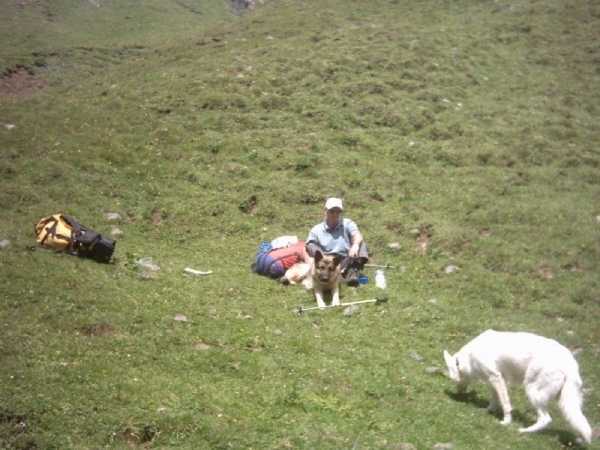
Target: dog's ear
pixel 450 360
pixel 337 259
pixel 318 256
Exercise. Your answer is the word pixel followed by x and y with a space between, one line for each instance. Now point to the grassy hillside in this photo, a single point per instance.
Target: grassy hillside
pixel 466 132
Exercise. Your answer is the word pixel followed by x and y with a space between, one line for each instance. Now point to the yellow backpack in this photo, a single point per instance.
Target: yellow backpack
pixel 62 233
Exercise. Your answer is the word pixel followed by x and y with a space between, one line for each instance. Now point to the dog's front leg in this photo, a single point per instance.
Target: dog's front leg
pixel 319 298
pixel 499 386
pixel 335 297
pixel 494 402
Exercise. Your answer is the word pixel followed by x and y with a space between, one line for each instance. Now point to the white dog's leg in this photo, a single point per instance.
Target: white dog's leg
pixel 499 386
pixel 494 402
pixel 540 393
pixel 543 421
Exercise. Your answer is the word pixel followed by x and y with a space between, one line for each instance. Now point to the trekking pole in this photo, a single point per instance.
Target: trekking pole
pixel 301 308
pixel 387 266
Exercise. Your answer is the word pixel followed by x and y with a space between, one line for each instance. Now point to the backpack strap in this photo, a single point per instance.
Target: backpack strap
pixel 74 226
pixel 50 231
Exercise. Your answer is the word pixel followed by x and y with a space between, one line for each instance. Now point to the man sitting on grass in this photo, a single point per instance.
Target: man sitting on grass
pixel 339 236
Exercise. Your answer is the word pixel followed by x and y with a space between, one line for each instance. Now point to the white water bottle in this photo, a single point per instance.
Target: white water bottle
pixel 380 279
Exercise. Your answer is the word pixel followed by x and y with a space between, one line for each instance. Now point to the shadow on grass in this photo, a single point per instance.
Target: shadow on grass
pixel 471 397
pixel 565 437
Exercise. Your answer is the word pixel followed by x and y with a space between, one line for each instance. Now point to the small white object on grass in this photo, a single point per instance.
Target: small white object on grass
pixel 197 272
pixel 451 269
pixel 380 279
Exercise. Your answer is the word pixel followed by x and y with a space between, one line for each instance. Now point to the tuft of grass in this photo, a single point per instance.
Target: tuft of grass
pixel 464 133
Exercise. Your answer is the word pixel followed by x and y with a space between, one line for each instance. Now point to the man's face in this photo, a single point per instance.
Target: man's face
pixel 333 216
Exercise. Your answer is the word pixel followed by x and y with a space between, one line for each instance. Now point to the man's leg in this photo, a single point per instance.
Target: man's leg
pixel 363 253
pixel 351 266
pixel 311 248
pixel 358 262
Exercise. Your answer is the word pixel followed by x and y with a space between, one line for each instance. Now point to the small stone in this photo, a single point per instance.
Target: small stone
pixel 403 446
pixel 4 243
pixel 201 346
pixel 113 216
pixel 416 356
pixel 278 332
pixel 432 369
pixel 180 318
pixel 350 310
pixel 116 232
pixel 394 246
pixel 443 446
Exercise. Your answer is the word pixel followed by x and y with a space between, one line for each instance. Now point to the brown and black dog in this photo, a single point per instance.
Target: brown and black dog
pixel 323 276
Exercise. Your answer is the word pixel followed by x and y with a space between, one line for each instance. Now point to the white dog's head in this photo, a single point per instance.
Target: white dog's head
pixel 454 371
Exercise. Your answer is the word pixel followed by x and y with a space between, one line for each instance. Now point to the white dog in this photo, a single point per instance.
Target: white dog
pixel 546 368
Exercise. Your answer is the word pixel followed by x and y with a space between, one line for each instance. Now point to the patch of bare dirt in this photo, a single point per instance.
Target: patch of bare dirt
pixel 20 83
pixel 98 330
pixel 35 5
pixel 546 272
pixel 242 5
pixel 422 235
pixel 157 218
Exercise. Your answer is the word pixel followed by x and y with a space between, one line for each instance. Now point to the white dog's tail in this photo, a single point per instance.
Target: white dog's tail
pixel 570 403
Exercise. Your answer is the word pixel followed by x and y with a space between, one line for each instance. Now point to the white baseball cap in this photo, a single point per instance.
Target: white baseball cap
pixel 334 203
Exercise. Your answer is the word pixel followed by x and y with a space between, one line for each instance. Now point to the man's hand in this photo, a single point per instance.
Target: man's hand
pixel 353 252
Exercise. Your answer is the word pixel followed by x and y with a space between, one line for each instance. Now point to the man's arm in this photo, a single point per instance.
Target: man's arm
pixel 356 241
pixel 312 243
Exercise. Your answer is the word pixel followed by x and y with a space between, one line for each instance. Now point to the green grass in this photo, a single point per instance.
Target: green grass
pixel 209 132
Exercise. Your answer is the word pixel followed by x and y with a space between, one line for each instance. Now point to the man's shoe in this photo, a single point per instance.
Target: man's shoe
pixel 352 279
